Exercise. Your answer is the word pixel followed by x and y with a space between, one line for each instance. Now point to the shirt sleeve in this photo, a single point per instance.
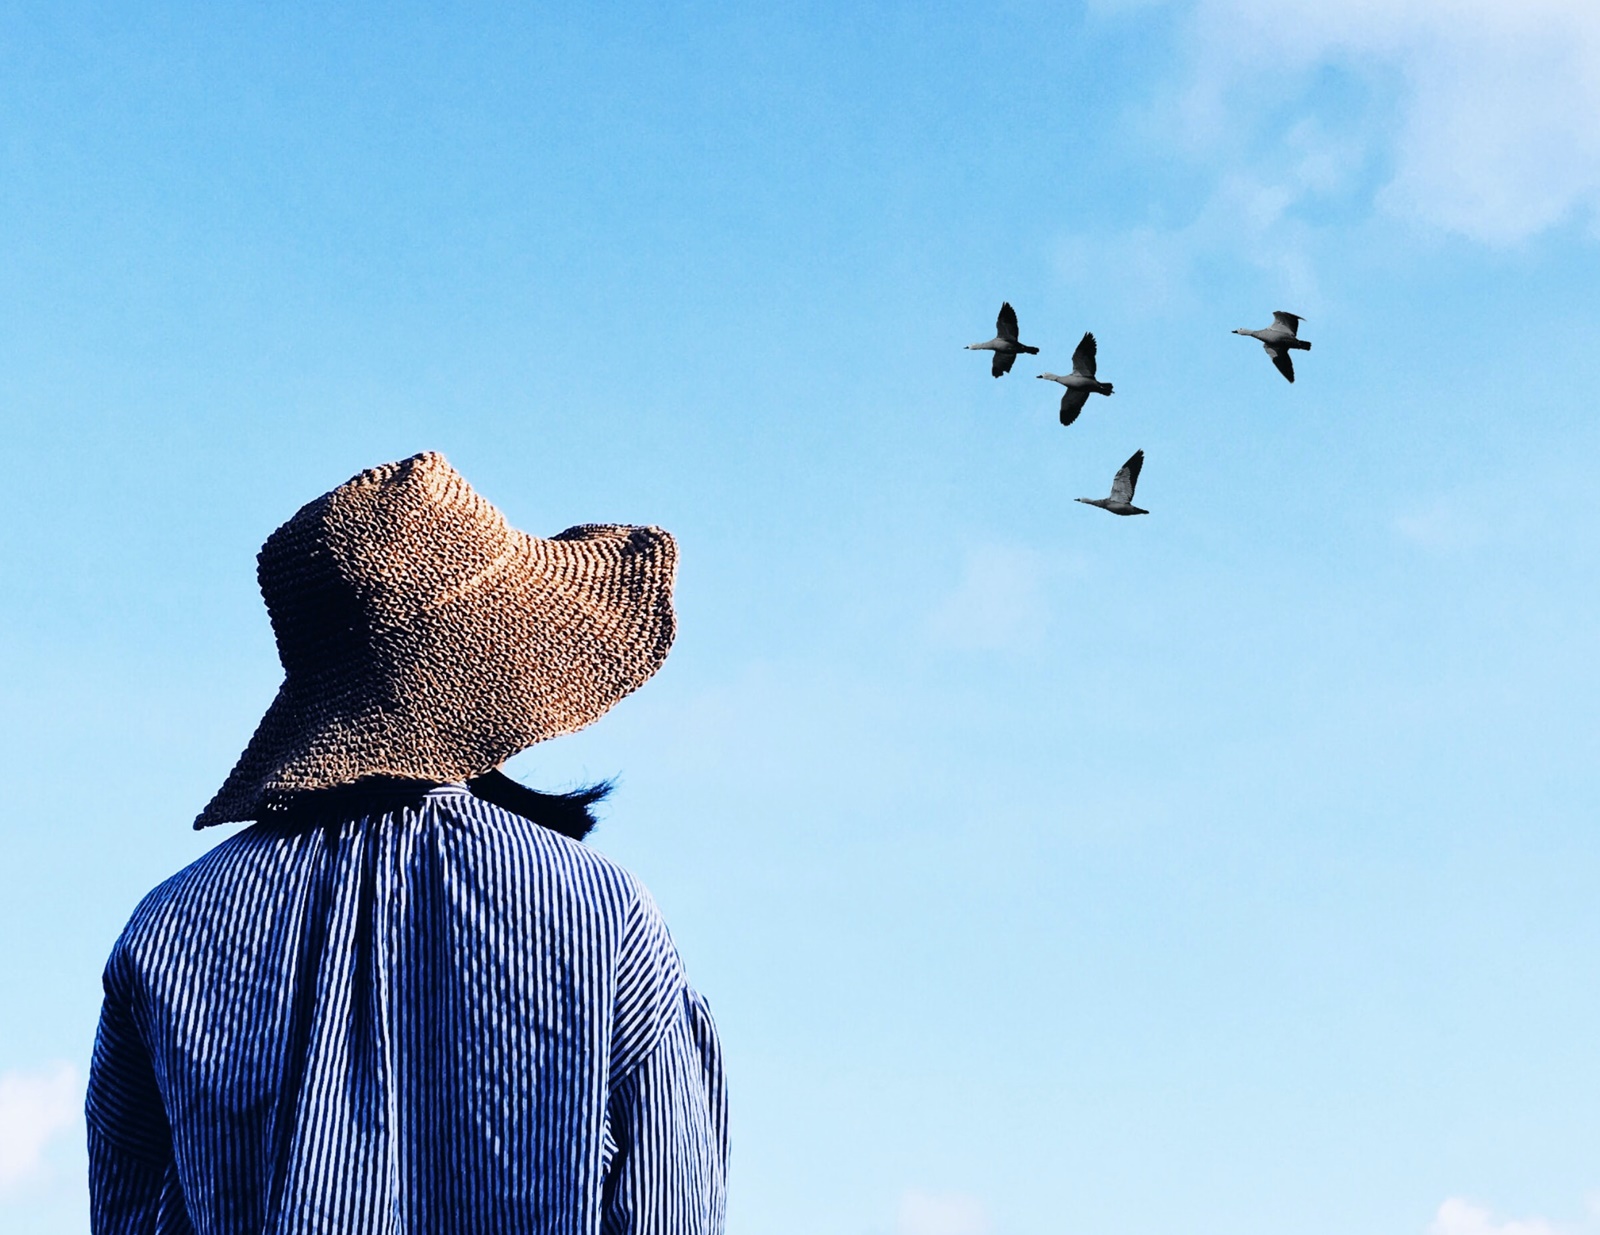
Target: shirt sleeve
pixel 133 1181
pixel 667 1133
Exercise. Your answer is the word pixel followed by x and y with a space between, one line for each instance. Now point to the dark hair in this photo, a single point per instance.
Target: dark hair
pixel 567 813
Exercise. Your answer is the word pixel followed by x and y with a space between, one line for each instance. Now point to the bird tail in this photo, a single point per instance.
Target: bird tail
pixel 1300 345
pixel 1105 388
pixel 1032 351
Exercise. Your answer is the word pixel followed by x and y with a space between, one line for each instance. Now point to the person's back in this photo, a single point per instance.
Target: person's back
pixel 402 1009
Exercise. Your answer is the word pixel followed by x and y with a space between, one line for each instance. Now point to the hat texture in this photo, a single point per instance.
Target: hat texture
pixel 422 637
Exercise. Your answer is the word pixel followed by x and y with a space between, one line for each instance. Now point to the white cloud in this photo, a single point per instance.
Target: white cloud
pixel 1459 1217
pixel 1495 133
pixel 998 603
pixel 924 1213
pixel 35 1108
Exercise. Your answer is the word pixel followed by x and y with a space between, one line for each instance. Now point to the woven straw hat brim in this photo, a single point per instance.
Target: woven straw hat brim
pixel 557 633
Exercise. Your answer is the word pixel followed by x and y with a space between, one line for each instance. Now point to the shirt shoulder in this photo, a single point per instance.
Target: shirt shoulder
pixel 254 866
pixel 649 979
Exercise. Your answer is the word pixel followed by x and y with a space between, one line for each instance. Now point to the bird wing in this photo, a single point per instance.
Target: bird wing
pixel 1281 361
pixel 1071 404
pixel 1002 363
pixel 1127 477
pixel 1083 358
pixel 1006 324
pixel 1288 321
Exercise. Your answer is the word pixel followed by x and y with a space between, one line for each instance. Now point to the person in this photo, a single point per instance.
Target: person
pixel 409 998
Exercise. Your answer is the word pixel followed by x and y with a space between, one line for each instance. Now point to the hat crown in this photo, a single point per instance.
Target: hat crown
pixel 351 569
pixel 424 638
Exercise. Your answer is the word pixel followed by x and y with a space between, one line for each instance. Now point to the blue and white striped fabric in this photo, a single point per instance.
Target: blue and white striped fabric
pixel 437 1017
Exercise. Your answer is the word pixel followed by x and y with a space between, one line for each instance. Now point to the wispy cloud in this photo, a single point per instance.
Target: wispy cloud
pixel 35 1108
pixel 1492 133
pixel 1472 118
pixel 925 1213
pixel 997 604
pixel 1246 216
pixel 1441 526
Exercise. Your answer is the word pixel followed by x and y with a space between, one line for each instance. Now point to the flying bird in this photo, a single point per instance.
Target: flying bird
pixel 1080 383
pixel 1279 339
pixel 1004 345
pixel 1121 500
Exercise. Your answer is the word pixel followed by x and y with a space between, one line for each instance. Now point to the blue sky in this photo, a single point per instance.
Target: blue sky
pixel 1226 870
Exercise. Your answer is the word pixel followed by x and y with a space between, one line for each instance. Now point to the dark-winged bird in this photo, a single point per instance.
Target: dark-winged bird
pixel 1080 383
pixel 1121 500
pixel 1004 345
pixel 1279 339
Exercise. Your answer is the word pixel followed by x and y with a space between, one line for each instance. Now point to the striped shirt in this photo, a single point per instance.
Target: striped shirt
pixel 435 1016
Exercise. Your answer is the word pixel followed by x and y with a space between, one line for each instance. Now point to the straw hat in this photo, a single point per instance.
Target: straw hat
pixel 424 638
